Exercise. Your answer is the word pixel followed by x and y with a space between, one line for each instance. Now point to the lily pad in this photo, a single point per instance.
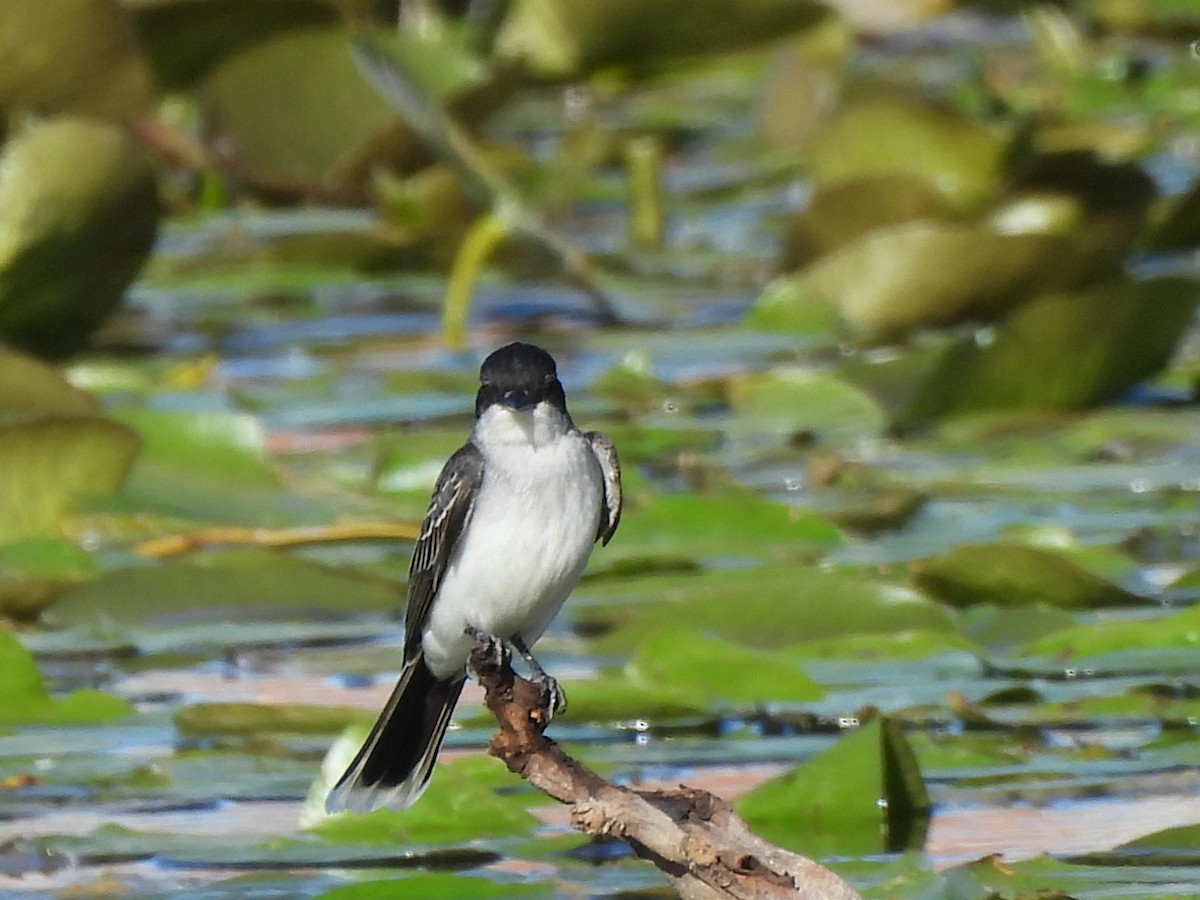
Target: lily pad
pixel 845 210
pixel 862 795
pixel 73 56
pixel 34 573
pixel 773 607
pixel 1007 574
pixel 1180 629
pixel 909 644
pixel 608 698
pixel 297 114
pixel 243 719
pixel 47 465
pixel 683 657
pixel 423 885
pixel 733 521
pixel 78 214
pixel 461 804
pixel 961 159
pixel 30 387
pixel 793 400
pixel 222 584
pixel 563 39
pixel 910 275
pixel 1061 351
pixel 24 698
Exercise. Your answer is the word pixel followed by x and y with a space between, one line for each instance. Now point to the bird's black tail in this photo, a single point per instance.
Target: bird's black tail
pixel 397 758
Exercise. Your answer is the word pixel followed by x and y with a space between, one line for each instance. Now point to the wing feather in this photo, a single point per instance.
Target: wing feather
pixel 610 465
pixel 447 517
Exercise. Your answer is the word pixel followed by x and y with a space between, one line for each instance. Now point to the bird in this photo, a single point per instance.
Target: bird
pixel 513 519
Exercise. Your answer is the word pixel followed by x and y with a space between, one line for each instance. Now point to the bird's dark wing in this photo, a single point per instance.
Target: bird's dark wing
pixel 610 513
pixel 447 517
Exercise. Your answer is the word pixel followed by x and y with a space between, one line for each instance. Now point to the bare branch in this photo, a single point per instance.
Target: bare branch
pixel 692 836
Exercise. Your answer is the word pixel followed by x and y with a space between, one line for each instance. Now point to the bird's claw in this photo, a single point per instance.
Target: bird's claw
pixel 553 697
pixel 494 652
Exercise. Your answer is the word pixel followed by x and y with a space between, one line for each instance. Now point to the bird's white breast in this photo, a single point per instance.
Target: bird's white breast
pixel 530 535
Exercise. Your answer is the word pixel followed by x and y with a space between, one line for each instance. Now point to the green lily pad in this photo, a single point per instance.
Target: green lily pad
pixel 47 465
pixel 34 573
pixel 793 400
pixel 772 607
pixel 862 795
pixel 733 521
pixel 618 698
pixel 30 387
pixel 295 110
pixel 73 56
pixel 683 657
pixel 461 804
pixel 214 446
pixel 908 644
pixel 1180 629
pixel 1002 627
pixel 423 885
pixel 225 583
pixel 843 211
pixel 203 719
pixel 907 276
pixel 962 159
pixel 185 39
pixel 1005 574
pixel 1061 351
pixel 562 39
pixel 24 698
pixel 78 214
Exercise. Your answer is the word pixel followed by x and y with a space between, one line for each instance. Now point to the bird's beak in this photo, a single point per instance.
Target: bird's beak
pixel 517 400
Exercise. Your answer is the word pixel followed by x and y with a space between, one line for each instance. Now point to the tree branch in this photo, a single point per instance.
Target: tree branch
pixel 690 835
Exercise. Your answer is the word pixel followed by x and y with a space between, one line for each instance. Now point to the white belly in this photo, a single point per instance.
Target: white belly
pixel 512 581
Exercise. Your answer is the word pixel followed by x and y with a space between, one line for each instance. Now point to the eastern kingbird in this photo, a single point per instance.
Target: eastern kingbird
pixel 511 525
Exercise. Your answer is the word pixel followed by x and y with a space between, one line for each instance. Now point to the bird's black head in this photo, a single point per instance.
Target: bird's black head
pixel 519 376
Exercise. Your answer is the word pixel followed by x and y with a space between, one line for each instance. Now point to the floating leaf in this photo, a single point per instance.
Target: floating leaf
pixel 911 275
pixel 29 387
pixel 843 211
pixel 34 573
pixel 862 795
pixel 1007 574
pixel 909 644
pixel 564 39
pixel 793 400
pixel 768 607
pixel 1001 627
pixel 223 583
pixel 1181 629
pixel 24 699
pixel 46 465
pixel 683 657
pixel 246 719
pixel 78 215
pixel 295 110
pixel 734 521
pixel 962 159
pixel 1062 351
pixel 184 40
pixel 223 446
pixel 73 56
pixel 423 885
pixel 461 804
pixel 609 698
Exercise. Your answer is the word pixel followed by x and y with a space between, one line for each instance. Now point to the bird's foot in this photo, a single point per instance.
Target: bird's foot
pixel 553 697
pixel 493 652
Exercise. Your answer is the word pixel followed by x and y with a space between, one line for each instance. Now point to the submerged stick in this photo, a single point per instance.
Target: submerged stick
pixel 690 835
